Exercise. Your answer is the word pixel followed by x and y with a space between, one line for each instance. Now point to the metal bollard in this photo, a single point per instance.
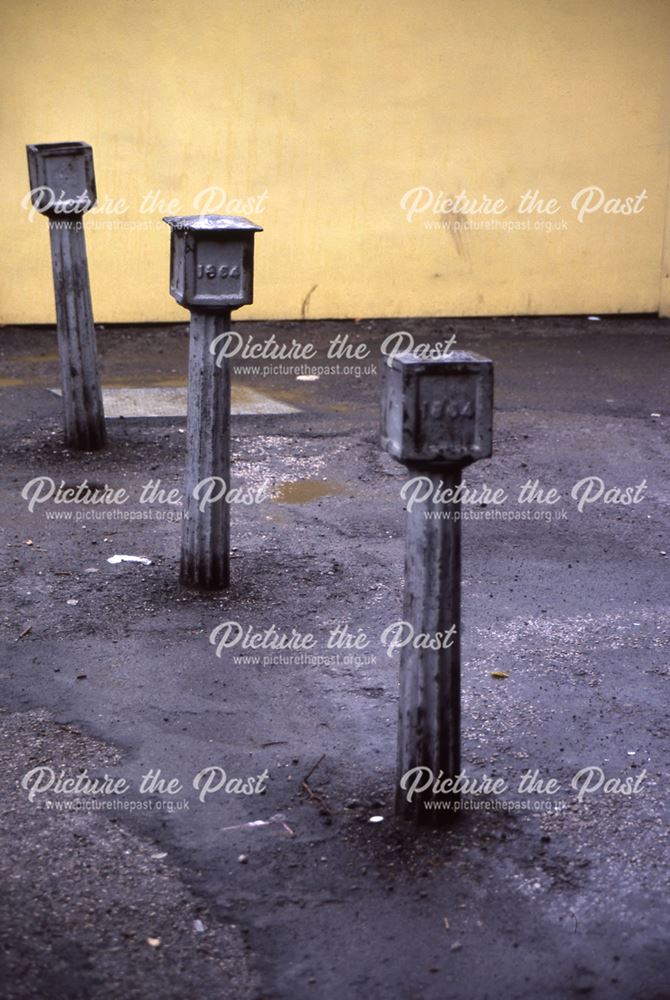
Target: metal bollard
pixel 62 185
pixel 211 273
pixel 436 419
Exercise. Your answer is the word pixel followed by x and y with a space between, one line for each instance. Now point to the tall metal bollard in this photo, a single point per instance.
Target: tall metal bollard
pixel 436 419
pixel 62 186
pixel 211 273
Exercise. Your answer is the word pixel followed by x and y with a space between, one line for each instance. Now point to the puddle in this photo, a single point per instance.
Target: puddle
pixel 304 490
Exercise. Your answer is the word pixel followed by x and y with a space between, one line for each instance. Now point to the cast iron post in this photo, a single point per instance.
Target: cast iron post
pixel 436 419
pixel 62 186
pixel 211 273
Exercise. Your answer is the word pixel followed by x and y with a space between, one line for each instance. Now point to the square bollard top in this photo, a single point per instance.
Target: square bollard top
pixel 211 223
pixel 212 260
pixel 62 179
pixel 437 411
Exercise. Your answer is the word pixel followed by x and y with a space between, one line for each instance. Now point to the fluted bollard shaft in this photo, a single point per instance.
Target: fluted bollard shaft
pixel 206 525
pixel 82 397
pixel 429 718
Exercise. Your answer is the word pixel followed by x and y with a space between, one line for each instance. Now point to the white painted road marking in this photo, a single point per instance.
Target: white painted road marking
pixel 171 402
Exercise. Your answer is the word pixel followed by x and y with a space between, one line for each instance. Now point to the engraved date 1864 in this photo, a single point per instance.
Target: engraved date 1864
pixel 224 271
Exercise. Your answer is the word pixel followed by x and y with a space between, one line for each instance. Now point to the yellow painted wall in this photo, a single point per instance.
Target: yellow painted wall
pixel 336 108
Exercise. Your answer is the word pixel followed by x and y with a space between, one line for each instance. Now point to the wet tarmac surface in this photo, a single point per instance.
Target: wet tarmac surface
pixel 563 900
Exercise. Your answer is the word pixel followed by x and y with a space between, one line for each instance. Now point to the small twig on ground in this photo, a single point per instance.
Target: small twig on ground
pixel 313 769
pixel 315 796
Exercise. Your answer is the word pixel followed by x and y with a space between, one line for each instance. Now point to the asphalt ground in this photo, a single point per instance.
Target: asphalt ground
pixel 110 667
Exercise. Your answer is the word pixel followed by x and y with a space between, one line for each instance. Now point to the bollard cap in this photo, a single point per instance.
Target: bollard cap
pixel 438 411
pixel 62 179
pixel 211 223
pixel 212 261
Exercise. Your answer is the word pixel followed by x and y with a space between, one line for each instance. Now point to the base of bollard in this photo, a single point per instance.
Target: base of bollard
pixel 428 810
pixel 93 438
pixel 204 579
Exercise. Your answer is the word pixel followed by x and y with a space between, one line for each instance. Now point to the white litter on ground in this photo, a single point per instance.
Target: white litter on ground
pixel 135 559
